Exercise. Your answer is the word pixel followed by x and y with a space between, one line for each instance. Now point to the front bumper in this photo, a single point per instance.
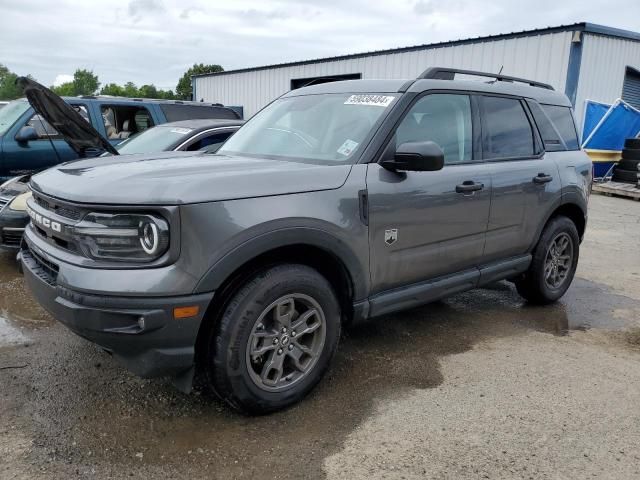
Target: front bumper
pixel 141 332
pixel 12 225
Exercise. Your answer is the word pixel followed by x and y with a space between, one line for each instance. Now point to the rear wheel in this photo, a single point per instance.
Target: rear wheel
pixel 275 340
pixel 554 263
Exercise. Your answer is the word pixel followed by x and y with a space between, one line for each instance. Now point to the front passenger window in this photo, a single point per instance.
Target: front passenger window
pixel 444 119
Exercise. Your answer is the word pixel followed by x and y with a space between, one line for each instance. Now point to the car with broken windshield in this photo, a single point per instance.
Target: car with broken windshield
pixel 335 204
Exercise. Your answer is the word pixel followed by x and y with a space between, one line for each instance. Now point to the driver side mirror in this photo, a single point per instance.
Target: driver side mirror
pixel 26 134
pixel 416 157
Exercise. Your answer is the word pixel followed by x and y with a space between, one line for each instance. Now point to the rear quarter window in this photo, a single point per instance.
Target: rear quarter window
pixel 549 134
pixel 176 112
pixel 562 119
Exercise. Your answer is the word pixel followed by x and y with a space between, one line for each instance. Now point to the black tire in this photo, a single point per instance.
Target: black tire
pixel 632 143
pixel 631 154
pixel 533 286
pixel 625 176
pixel 228 362
pixel 631 165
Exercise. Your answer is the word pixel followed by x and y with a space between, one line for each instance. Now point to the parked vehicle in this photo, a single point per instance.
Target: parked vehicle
pixel 336 203
pixel 186 135
pixel 29 144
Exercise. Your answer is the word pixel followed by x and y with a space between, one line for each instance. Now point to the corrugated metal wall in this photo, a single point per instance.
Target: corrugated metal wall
pixel 604 62
pixel 541 57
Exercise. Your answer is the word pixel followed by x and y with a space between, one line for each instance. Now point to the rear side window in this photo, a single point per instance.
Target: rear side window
pixel 210 143
pixel 550 135
pixel 507 132
pixel 175 112
pixel 563 121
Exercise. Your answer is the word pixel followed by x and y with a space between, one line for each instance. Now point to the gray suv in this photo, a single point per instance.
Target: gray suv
pixel 336 203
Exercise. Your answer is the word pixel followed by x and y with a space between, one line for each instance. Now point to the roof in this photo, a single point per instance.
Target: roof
pixel 203 124
pixel 542 95
pixel 111 98
pixel 580 27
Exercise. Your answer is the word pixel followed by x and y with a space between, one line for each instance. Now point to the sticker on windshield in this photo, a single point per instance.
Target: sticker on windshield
pixel 374 100
pixel 180 130
pixel 348 147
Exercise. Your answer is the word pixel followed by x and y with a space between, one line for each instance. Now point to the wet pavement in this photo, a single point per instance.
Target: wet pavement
pixel 66 408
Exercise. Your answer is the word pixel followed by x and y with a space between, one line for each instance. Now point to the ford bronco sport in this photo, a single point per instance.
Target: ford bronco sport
pixel 336 203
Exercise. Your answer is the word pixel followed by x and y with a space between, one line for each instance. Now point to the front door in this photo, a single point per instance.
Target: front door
pixel 427 224
pixel 36 155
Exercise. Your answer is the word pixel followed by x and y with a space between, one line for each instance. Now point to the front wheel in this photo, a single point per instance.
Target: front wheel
pixel 275 339
pixel 554 263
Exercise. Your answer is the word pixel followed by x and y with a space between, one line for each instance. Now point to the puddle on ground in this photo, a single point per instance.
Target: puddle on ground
pixel 17 308
pixel 90 410
pixel 10 335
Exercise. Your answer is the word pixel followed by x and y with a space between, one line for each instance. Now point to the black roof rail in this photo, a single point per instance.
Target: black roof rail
pixel 439 73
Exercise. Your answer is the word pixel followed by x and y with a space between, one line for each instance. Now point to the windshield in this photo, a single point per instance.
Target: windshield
pixel 11 113
pixel 328 128
pixel 157 139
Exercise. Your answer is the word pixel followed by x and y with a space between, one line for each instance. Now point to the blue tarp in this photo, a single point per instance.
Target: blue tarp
pixel 621 121
pixel 593 113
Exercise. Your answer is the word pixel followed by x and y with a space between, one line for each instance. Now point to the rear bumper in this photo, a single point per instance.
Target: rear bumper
pixel 12 225
pixel 141 332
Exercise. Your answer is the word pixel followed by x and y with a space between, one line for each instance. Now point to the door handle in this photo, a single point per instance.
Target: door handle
pixel 542 178
pixel 469 186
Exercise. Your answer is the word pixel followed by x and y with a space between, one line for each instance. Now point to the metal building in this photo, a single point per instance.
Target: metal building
pixel 584 60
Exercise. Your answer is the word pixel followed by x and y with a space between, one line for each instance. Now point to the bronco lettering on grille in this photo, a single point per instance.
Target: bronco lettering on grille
pixel 44 221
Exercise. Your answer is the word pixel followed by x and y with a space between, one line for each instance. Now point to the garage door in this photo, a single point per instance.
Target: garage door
pixel 631 88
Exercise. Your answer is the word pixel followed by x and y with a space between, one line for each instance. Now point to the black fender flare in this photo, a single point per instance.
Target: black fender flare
pixel 223 268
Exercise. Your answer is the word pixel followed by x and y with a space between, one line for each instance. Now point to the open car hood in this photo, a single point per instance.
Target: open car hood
pixel 74 129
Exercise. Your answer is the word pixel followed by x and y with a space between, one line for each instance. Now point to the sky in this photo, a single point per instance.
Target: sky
pixel 155 41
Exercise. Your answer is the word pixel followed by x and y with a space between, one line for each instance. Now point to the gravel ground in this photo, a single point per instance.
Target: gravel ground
pixel 478 386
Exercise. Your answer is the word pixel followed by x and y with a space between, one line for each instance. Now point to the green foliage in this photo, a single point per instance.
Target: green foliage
pixel 84 83
pixel 183 89
pixel 131 90
pixel 8 88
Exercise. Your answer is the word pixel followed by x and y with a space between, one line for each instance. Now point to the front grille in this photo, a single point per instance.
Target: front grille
pixel 58 208
pixel 11 238
pixel 46 270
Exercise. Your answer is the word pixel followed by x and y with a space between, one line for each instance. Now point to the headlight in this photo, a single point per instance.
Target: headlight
pixel 122 237
pixel 19 204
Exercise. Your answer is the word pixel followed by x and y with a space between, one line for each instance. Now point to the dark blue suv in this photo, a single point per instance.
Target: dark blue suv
pixel 29 144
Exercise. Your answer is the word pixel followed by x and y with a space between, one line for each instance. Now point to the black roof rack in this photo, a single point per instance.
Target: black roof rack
pixel 439 73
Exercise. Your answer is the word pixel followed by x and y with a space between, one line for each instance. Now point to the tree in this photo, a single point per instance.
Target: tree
pixel 183 89
pixel 85 82
pixel 65 89
pixel 8 88
pixel 148 91
pixel 112 89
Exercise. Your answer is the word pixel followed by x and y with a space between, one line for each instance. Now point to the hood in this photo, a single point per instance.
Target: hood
pixel 74 129
pixel 175 178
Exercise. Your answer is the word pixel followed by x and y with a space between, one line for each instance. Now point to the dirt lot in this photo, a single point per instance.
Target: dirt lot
pixel 477 386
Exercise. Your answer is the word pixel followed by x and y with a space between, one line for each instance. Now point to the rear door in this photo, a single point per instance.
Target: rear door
pixel 427 224
pixel 525 180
